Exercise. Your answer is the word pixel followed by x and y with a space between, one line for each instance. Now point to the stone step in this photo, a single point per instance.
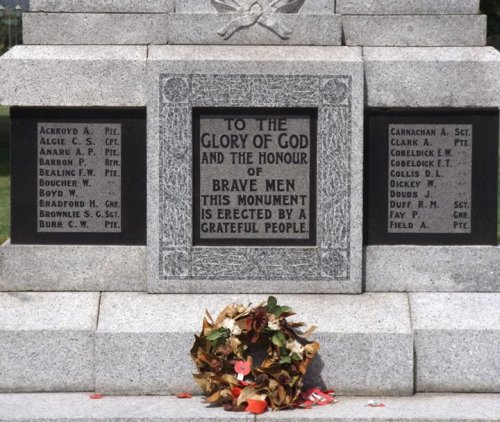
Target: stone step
pixel 138 344
pixel 414 7
pixel 172 28
pixel 78 407
pixel 414 30
pixel 47 341
pixel 432 77
pixel 142 340
pixel 111 76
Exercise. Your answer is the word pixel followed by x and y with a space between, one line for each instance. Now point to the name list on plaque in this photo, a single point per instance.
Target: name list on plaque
pixel 79 178
pixel 430 179
pixel 255 177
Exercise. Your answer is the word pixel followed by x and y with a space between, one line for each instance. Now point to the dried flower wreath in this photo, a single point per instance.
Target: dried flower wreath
pixel 225 350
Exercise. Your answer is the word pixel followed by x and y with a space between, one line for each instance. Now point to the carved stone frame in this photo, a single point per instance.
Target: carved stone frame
pixel 257 269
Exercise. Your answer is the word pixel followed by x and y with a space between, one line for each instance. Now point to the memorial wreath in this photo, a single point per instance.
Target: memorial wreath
pixel 226 351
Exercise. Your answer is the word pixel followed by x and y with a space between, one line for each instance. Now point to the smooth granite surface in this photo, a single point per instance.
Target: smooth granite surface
pixel 47 341
pixel 78 407
pixel 432 76
pixel 457 341
pixel 87 76
pixel 432 268
pixel 405 7
pixel 103 6
pixel 95 28
pixel 143 339
pixel 72 268
pixel 412 30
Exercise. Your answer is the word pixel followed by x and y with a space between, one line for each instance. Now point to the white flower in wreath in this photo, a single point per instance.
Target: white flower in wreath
pixel 273 323
pixel 230 324
pixel 295 347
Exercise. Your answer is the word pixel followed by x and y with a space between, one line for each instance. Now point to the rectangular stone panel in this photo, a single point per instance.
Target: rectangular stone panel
pixel 143 340
pixel 76 407
pixel 432 177
pixel 404 7
pixel 270 29
pixel 254 176
pixel 95 28
pixel 325 79
pixel 204 6
pixel 47 341
pixel 415 30
pixel 103 6
pixel 432 77
pixel 78 176
pixel 413 268
pixel 92 76
pixel 91 268
pixel 457 342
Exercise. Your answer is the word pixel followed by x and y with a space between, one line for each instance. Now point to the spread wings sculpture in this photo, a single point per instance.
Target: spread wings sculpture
pixel 251 12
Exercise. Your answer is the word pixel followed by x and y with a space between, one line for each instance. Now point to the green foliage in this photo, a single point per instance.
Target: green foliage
pixel 492 9
pixel 273 308
pixel 4 194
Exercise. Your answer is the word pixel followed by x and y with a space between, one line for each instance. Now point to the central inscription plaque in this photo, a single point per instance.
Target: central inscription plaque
pixel 255 176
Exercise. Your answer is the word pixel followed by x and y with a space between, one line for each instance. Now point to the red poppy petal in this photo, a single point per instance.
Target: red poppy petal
pixel 184 396
pixel 235 391
pixel 256 406
pixel 243 368
pixel 96 397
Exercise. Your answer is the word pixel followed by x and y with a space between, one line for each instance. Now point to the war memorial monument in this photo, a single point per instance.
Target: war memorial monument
pixel 173 156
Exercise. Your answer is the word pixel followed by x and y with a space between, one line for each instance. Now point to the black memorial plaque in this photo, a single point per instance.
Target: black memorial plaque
pixel 254 176
pixel 78 176
pixel 432 177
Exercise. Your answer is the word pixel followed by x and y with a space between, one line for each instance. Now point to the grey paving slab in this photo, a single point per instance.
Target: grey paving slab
pixel 404 268
pixel 95 28
pixel 273 77
pixel 72 268
pixel 47 341
pixel 103 6
pixel 415 30
pixel 86 76
pixel 404 7
pixel 143 340
pixel 301 29
pixel 78 407
pixel 432 76
pixel 457 341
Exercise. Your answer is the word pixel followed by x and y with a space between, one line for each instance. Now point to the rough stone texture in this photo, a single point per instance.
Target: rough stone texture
pixel 103 6
pixel 426 31
pixel 95 28
pixel 72 268
pixel 306 29
pixel 432 268
pixel 432 77
pixel 204 6
pixel 257 77
pixel 77 407
pixel 457 341
pixel 47 341
pixel 143 340
pixel 403 7
pixel 73 76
